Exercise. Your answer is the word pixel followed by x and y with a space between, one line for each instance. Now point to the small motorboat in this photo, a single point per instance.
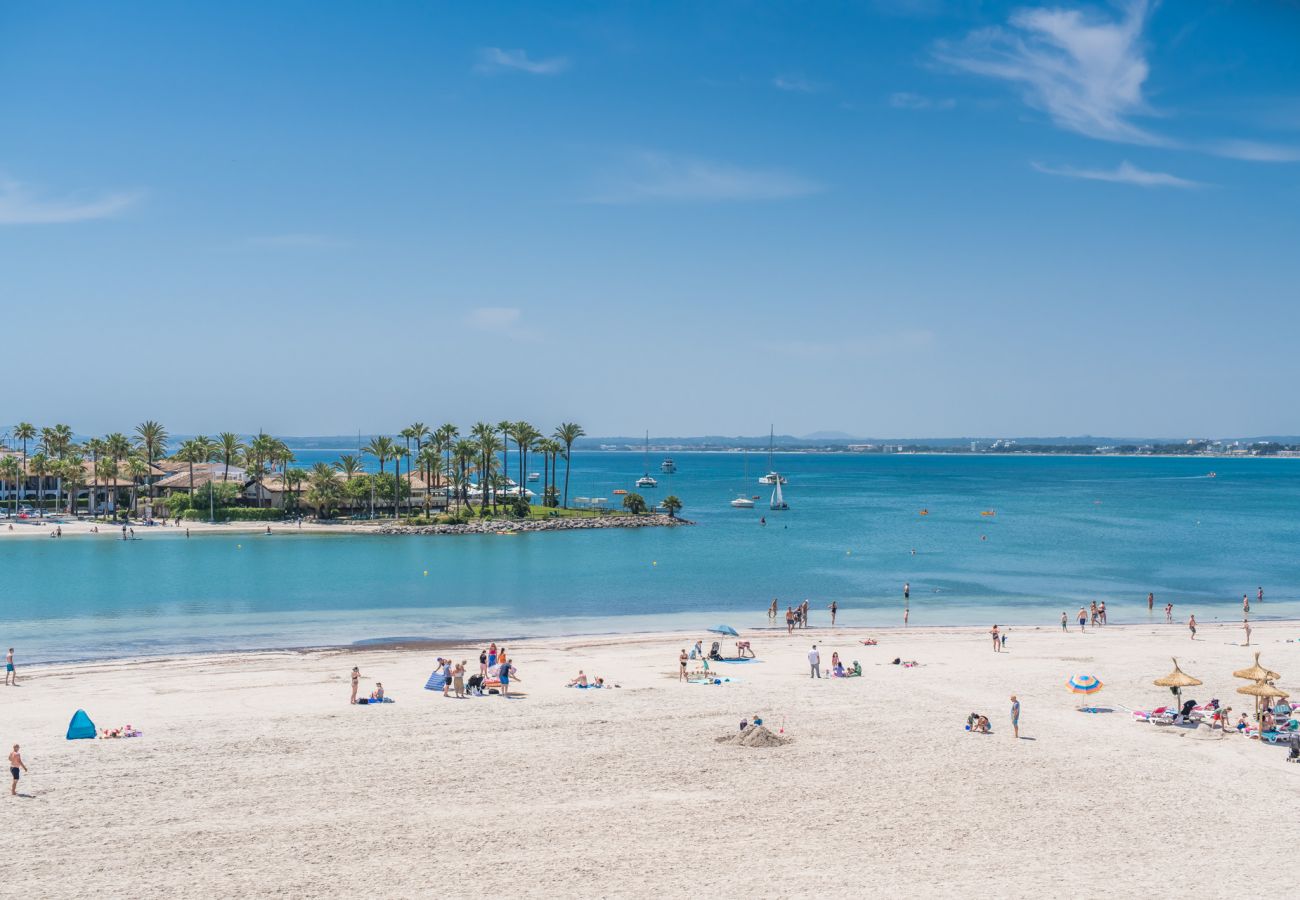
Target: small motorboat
pixel 743 502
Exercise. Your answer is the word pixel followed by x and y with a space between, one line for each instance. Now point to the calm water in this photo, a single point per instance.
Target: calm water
pixel 1067 530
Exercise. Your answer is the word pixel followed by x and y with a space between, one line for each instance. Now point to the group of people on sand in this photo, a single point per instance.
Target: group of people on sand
pixel 977 723
pixel 582 681
pixel 837 668
pixel 796 617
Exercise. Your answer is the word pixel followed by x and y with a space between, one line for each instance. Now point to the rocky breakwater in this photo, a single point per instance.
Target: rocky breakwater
pixel 505 526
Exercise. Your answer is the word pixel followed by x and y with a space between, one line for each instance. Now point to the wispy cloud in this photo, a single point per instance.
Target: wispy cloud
pixel 493 318
pixel 492 60
pixel 1124 173
pixel 907 100
pixel 654 177
pixel 297 240
pixel 1254 151
pixel 797 84
pixel 1082 68
pixel 20 205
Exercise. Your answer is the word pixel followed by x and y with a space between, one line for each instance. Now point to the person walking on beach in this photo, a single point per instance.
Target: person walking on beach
pixel 1191 625
pixel 1101 612
pixel 1245 623
pixel 10 671
pixel 997 645
pixel 1065 621
pixel 506 671
pixel 814 663
pixel 1015 716
pixel 1083 617
pixel 833 608
pixel 15 763
pixel 356 679
pixel 681 662
pixel 789 620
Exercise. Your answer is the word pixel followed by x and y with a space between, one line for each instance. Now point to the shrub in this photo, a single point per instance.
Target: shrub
pixel 235 514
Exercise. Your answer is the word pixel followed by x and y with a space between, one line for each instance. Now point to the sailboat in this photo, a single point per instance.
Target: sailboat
pixel 741 501
pixel 646 481
pixel 772 476
pixel 778 502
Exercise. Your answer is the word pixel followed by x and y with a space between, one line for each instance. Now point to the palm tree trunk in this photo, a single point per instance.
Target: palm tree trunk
pixel 568 455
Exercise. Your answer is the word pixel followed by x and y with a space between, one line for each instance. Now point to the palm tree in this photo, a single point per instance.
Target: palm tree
pixel 152 438
pixel 428 459
pixel 261 451
pixel 398 453
pixel 24 431
pixel 293 479
pixel 550 449
pixel 74 473
pixel 634 503
pixel 464 452
pixel 106 469
pixel 567 433
pixel 349 465
pixel 444 437
pixel 324 491
pixel 489 445
pixel 524 435
pixel 506 427
pixel 672 504
pixel 39 465
pixel 9 472
pixel 416 431
pixel 95 447
pixel 229 447
pixel 190 452
pixel 382 448
pixel 57 440
pixel 136 469
pixel 117 446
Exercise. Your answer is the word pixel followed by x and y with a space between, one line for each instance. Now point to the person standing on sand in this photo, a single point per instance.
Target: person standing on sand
pixel 789 620
pixel 1245 623
pixel 356 679
pixel 1101 612
pixel 15 763
pixel 833 608
pixel 681 661
pixel 997 645
pixel 814 663
pixel 482 663
pixel 1083 617
pixel 507 669
pixel 1015 716
pixel 1191 625
pixel 804 618
pixel 458 679
pixel 10 671
pixel 1065 621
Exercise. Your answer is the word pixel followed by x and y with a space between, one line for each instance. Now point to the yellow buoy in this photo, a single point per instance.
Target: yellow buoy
pixel 239 546
pixel 426 573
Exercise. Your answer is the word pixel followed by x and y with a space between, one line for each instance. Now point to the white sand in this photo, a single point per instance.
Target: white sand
pixel 256 778
pixel 44 528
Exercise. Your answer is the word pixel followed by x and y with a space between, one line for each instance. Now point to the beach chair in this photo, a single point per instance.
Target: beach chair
pixel 437 681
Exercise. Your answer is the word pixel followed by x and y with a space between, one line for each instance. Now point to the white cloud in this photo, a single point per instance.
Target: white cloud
pixel 1254 151
pixel 494 59
pixel 653 177
pixel 19 205
pixel 1083 69
pixel 908 100
pixel 493 318
pixel 1125 173
pixel 797 84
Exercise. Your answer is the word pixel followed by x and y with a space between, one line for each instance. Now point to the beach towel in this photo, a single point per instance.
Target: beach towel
pixel 437 681
pixel 738 659
pixel 81 728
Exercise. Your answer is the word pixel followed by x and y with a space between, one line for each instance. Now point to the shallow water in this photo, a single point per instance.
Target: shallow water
pixel 1067 530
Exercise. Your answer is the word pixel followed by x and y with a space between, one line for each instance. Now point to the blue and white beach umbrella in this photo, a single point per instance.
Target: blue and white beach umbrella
pixel 1083 684
pixel 725 629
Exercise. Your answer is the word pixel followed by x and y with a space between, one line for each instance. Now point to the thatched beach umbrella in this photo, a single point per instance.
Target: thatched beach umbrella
pixel 1256 672
pixel 1261 690
pixel 1177 680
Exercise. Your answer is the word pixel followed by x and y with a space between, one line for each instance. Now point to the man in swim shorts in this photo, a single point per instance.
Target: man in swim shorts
pixel 10 671
pixel 1015 716
pixel 15 763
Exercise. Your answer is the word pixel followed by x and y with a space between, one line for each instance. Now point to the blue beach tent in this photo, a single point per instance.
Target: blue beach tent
pixel 80 727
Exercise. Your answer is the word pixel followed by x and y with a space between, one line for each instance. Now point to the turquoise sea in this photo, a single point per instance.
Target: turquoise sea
pixel 1067 530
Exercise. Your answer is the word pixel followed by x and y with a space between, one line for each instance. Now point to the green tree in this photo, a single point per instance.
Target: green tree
pixel 10 470
pixel 74 476
pixel 293 480
pixel 634 503
pixel 106 471
pixel 673 505
pixel 136 469
pixel 24 431
pixel 151 437
pixel 443 438
pixel 349 465
pixel 428 459
pixel 40 467
pixel 383 449
pixel 190 452
pixel 567 433
pixel 229 449
pixel 323 490
pixel 95 447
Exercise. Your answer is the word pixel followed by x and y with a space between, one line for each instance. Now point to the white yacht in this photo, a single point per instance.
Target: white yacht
pixel 743 502
pixel 646 481
pixel 668 467
pixel 534 476
pixel 772 476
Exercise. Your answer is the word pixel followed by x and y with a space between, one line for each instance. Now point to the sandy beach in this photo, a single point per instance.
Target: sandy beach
pixel 255 777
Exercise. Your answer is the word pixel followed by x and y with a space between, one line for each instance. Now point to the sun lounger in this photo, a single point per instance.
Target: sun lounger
pixel 437 681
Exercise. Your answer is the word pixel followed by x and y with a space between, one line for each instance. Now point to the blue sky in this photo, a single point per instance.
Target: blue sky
pixel 900 217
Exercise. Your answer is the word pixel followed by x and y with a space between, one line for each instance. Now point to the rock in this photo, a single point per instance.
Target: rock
pixel 507 526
